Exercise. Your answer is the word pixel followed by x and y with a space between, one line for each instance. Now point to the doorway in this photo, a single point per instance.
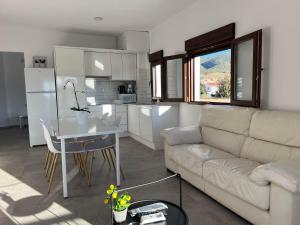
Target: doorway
pixel 12 88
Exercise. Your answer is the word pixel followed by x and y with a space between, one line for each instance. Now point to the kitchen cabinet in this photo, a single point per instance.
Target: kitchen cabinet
pixel 69 61
pixel 116 66
pixel 134 119
pixel 105 110
pixel 129 66
pixel 113 112
pixel 145 122
pixel 97 64
pixel 65 96
pixel 79 82
pixel 66 100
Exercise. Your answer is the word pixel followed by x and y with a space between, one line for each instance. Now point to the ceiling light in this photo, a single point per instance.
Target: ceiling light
pixel 98 18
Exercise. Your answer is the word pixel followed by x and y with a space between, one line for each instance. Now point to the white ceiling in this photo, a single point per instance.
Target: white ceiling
pixel 77 15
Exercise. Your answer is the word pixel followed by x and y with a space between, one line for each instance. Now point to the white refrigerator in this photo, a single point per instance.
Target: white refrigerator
pixel 41 101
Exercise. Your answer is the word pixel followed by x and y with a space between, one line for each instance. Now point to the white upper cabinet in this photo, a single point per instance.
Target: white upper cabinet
pixel 69 61
pixel 116 66
pixel 97 64
pixel 129 66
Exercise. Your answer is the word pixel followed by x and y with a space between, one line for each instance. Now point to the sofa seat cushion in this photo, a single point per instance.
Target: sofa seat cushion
pixel 232 175
pixel 192 157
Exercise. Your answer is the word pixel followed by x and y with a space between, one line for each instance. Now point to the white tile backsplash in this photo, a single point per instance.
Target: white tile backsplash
pixel 99 91
pixel 143 79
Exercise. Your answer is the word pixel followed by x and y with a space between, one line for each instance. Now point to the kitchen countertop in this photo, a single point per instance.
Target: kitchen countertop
pixel 138 103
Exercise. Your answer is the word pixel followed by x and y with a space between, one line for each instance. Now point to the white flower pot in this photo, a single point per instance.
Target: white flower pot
pixel 120 217
pixel 82 117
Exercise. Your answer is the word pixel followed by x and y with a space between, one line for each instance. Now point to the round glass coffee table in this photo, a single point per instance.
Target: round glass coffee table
pixel 175 215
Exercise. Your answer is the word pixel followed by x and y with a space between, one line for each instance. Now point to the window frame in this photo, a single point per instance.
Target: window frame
pixel 217 40
pixel 155 59
pixel 256 69
pixel 165 88
pixel 154 64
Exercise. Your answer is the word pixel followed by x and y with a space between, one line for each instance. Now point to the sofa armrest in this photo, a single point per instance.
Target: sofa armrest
pixel 285 174
pixel 182 135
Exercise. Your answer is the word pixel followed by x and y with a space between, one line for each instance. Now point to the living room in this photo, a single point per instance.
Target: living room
pixel 189 105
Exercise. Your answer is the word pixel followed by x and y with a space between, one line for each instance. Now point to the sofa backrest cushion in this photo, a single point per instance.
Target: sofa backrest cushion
pixel 225 127
pixel 229 118
pixel 223 140
pixel 278 127
pixel 265 152
pixel 273 136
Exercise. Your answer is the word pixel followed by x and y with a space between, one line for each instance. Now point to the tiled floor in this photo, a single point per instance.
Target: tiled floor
pixel 24 198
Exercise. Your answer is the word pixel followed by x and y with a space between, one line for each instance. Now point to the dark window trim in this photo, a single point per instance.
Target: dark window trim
pixel 211 39
pixel 208 103
pixel 209 42
pixel 165 89
pixel 157 58
pixel 213 50
pixel 217 40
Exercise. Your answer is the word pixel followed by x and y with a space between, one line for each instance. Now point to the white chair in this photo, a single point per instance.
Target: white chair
pixel 54 150
pixel 106 145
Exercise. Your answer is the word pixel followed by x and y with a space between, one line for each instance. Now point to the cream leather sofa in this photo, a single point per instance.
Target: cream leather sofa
pixel 247 159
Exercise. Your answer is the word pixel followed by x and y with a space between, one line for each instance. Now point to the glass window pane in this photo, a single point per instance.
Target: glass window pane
pixel 153 82
pixel 197 83
pixel 213 76
pixel 244 71
pixel 174 78
pixel 156 81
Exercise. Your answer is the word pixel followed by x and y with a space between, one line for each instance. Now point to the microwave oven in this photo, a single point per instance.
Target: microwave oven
pixel 127 98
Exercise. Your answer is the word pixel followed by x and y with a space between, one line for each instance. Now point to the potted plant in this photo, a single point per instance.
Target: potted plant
pixel 118 202
pixel 81 113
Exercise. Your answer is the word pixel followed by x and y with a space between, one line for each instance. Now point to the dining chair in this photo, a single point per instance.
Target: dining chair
pixel 106 145
pixel 54 150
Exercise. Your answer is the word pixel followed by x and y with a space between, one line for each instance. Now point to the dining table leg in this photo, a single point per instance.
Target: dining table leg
pixel 118 159
pixel 64 168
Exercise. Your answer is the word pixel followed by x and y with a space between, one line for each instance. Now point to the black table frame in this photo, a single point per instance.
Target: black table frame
pixel 151 183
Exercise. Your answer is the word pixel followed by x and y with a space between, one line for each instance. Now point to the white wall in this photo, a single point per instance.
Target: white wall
pixel 281 34
pixel 40 42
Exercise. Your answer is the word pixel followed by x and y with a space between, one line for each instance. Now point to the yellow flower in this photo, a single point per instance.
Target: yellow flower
pixel 122 202
pixel 109 192
pixel 115 195
pixel 128 198
pixel 106 201
pixel 112 187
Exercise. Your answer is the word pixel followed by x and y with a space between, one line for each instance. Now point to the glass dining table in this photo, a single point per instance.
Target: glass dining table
pixel 72 128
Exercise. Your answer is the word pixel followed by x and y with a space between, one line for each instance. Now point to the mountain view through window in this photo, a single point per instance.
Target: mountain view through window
pixel 212 76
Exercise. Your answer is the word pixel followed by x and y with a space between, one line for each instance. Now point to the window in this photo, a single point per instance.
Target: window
pixel 222 69
pixel 156 80
pixel 213 76
pixel 174 78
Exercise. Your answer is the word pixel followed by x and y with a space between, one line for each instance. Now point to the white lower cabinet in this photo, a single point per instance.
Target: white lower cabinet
pixel 145 122
pixel 133 119
pixel 112 112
